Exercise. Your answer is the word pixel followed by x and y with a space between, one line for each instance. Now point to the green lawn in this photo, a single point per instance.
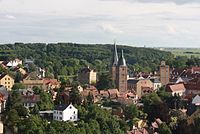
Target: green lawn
pixel 184 51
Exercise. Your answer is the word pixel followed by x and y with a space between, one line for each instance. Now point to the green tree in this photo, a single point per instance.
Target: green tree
pixel 131 112
pixel 21 110
pixel 75 96
pixel 18 86
pixel 105 82
pixel 46 102
pixel 13 118
pixel 37 90
pixel 164 129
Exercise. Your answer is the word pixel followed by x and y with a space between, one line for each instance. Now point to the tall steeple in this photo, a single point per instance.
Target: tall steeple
pixel 122 61
pixel 115 56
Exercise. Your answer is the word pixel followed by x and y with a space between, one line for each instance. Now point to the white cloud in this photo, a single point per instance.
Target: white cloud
pixel 155 22
pixel 172 30
pixel 10 17
pixel 110 28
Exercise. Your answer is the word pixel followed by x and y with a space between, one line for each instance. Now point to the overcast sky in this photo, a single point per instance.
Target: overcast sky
pixel 166 23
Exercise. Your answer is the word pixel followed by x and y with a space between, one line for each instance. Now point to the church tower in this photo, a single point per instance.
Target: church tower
pixel 114 64
pixel 119 70
pixel 122 74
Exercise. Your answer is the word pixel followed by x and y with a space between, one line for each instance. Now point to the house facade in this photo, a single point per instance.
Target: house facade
pixel 7 81
pixel 65 113
pixel 87 76
pixel 140 86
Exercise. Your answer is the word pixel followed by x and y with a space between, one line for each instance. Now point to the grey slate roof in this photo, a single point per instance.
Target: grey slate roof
pixel 3 91
pixel 155 80
pixel 132 81
pixel 115 56
pixel 122 61
pixel 61 107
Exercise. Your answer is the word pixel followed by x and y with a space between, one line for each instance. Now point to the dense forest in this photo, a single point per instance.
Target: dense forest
pixel 65 59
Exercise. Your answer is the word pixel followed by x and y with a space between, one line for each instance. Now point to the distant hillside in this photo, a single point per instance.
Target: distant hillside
pixel 64 58
pixel 189 52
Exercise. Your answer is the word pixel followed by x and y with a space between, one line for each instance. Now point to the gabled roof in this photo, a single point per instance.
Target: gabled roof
pixel 62 107
pixel 176 87
pixel 113 91
pixel 3 75
pixel 196 100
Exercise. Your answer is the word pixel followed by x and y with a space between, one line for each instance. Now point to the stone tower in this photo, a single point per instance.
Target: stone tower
pixel 122 74
pixel 164 73
pixel 114 64
pixel 119 70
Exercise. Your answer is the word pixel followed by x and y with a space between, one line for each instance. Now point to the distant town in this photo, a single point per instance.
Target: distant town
pixel 153 96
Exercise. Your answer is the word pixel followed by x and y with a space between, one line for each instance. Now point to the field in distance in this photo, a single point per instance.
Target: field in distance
pixel 183 51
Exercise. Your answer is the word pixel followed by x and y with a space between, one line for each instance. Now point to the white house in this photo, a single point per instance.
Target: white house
pixel 14 63
pixel 65 113
pixel 178 89
pixel 196 100
pixel 156 83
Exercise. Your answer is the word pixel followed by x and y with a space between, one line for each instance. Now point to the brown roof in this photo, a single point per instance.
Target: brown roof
pixel 193 84
pixel 51 81
pixel 3 75
pixel 176 87
pixel 90 87
pixel 104 93
pixel 30 98
pixel 113 91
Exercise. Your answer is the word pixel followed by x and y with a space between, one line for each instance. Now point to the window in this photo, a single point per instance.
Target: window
pixel 60 113
pixel 74 117
pixel 8 82
pixel 70 117
pixel 8 86
pixel 70 107
pixel 60 118
pixel 74 112
pixel 5 82
pixel 8 78
pixel 5 78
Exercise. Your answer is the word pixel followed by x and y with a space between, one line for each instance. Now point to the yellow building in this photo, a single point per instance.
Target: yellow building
pixel 7 81
pixel 87 76
pixel 140 86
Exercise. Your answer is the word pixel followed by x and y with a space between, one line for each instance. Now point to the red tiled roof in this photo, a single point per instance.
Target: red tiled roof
pixel 51 81
pixel 176 87
pixel 113 91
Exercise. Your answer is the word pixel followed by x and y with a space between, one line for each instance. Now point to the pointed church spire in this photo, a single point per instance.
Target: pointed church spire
pixel 122 61
pixel 115 56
